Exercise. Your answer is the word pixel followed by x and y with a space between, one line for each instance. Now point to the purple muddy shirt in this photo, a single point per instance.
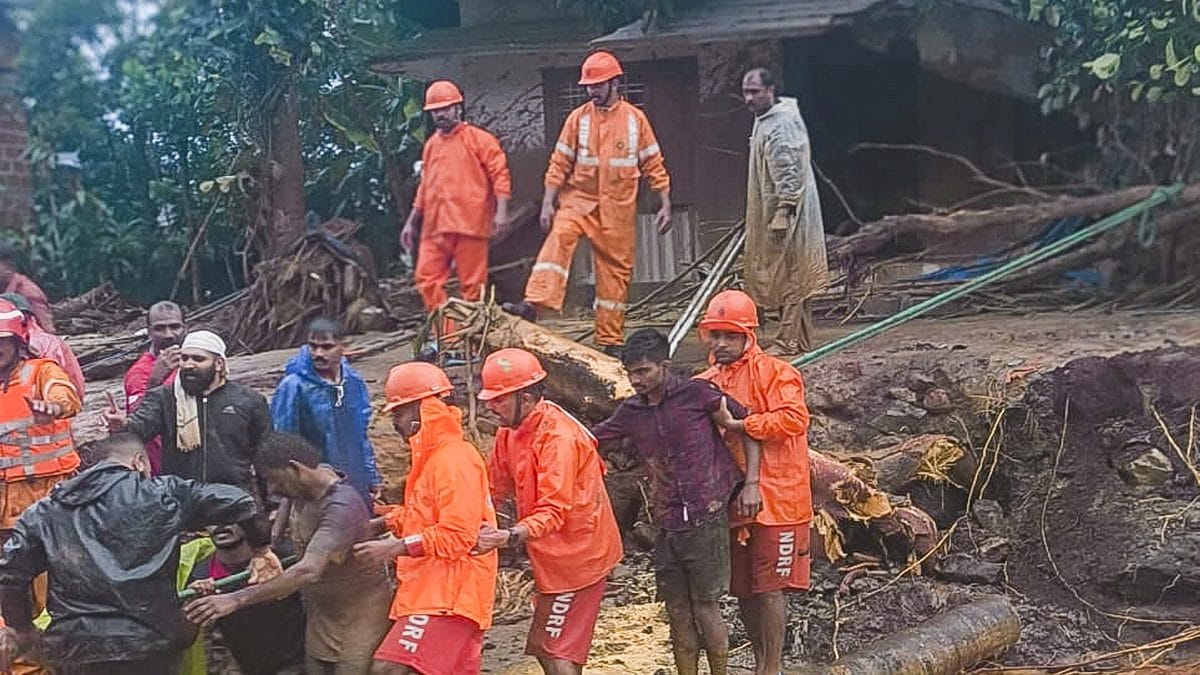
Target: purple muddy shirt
pixel 692 473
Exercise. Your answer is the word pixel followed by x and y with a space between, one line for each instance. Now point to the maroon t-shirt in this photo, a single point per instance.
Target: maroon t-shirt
pixel 692 472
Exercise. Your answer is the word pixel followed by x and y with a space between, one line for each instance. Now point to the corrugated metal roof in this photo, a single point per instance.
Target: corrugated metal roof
pixel 731 20
pixel 486 40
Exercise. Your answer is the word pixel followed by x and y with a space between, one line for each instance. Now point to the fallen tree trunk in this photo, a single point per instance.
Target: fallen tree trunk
pixel 1102 248
pixel 930 457
pixel 947 644
pixel 874 236
pixel 852 515
pixel 581 379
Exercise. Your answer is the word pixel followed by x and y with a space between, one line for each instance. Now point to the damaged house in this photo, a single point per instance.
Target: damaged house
pixel 960 77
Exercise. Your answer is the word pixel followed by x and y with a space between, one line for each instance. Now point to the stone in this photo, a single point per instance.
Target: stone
pixel 966 569
pixel 1144 466
pixel 902 394
pixel 994 549
pixel 989 514
pixel 921 382
pixel 902 409
pixel 937 401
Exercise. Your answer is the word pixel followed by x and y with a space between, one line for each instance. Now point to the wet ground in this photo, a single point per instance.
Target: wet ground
pixel 1093 534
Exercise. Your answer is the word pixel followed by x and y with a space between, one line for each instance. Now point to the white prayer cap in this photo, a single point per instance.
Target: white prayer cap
pixel 206 340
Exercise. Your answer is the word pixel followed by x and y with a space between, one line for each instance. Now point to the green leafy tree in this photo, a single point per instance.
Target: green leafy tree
pixel 1147 50
pixel 205 135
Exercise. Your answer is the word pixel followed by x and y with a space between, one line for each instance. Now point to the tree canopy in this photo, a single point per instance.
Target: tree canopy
pixel 190 120
pixel 1144 50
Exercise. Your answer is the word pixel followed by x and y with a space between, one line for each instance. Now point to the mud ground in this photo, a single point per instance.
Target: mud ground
pixel 1125 549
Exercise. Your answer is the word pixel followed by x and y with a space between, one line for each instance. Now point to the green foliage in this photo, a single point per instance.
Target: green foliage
pixel 1148 50
pixel 172 124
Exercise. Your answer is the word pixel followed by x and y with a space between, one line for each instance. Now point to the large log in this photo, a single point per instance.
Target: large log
pixel 585 381
pixel 874 236
pixel 947 644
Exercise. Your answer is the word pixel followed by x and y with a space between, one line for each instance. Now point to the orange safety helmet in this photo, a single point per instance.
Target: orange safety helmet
pixel 509 370
pixel 598 68
pixel 732 311
pixel 442 94
pixel 410 382
pixel 12 322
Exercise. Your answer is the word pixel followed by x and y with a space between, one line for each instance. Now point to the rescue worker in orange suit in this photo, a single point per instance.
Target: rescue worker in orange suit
pixel 461 201
pixel 549 461
pixel 769 552
pixel 444 599
pixel 605 147
pixel 37 450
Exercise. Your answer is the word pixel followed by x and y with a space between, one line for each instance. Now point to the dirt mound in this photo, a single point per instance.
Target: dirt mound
pixel 1107 468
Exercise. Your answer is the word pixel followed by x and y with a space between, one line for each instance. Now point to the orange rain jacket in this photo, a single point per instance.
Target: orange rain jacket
pixel 28 449
pixel 773 391
pixel 598 159
pixel 462 173
pixel 445 499
pixel 551 464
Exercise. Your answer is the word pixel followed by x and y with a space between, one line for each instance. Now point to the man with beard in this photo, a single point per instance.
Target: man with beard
pixel 278 651
pixel 462 200
pixel 326 401
pixel 769 549
pixel 591 191
pixel 548 460
pixel 346 600
pixel 166 328
pixel 210 427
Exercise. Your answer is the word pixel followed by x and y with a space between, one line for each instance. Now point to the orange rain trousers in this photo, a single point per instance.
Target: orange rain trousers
pixel 612 259
pixel 434 255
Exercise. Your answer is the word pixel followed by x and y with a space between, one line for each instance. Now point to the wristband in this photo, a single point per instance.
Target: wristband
pixel 414 545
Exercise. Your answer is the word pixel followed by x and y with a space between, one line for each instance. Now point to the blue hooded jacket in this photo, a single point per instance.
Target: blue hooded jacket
pixel 334 418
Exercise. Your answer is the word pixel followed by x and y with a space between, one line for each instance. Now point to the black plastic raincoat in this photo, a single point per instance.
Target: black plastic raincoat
pixel 109 539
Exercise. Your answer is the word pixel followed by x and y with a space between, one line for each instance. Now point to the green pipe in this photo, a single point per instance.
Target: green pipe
pixel 233 579
pixel 1160 195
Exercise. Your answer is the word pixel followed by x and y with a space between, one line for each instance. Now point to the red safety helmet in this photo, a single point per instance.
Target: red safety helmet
pixel 731 311
pixel 442 94
pixel 598 68
pixel 509 370
pixel 12 322
pixel 414 381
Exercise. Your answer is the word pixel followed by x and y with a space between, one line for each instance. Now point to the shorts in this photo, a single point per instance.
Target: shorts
pixel 434 645
pixel 693 564
pixel 563 624
pixel 20 495
pixel 773 558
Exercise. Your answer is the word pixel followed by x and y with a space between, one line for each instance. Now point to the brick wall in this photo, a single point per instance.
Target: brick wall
pixel 16 188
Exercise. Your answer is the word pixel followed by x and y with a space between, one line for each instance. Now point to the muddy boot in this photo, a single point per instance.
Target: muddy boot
pixel 522 309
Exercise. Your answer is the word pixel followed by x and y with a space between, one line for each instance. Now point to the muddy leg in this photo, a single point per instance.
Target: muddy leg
pixel 559 667
pixel 772 617
pixel 685 639
pixel 714 634
pixel 752 618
